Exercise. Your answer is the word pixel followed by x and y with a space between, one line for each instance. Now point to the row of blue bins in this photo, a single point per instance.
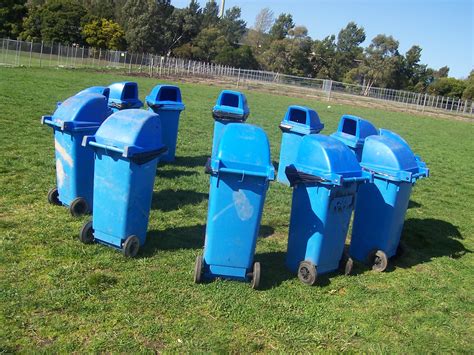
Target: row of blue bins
pixel 110 161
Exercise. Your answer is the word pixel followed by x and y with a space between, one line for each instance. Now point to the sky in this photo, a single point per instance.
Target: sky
pixel 443 28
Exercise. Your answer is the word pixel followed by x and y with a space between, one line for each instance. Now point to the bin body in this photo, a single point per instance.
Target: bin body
pixel 240 176
pixel 352 131
pixel 165 100
pixel 127 148
pixel 124 95
pixel 298 122
pixel 231 107
pixel 325 176
pixel 382 204
pixel 73 119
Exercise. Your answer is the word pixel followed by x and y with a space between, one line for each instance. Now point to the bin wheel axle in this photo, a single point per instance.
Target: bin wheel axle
pixel 255 283
pixel 53 197
pixel 307 273
pixel 130 246
pixel 198 269
pixel 378 260
pixel 79 207
pixel 86 234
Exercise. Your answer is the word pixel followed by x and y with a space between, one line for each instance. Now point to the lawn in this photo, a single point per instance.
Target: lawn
pixel 57 294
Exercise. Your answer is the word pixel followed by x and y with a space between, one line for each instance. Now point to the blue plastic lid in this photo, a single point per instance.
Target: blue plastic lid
pixel 165 97
pixel 353 130
pixel 327 158
pixel 302 120
pixel 231 105
pixel 390 159
pixel 395 136
pixel 101 90
pixel 124 95
pixel 86 110
pixel 134 129
pixel 244 149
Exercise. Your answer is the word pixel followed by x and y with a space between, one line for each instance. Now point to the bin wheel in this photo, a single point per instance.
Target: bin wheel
pixel 256 275
pixel 53 197
pixel 86 234
pixel 130 246
pixel 79 207
pixel 307 273
pixel 346 264
pixel 198 269
pixel 378 260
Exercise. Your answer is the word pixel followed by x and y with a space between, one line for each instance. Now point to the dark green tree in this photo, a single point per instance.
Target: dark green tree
pixel 241 57
pixel 323 56
pixel 232 26
pixel 11 17
pixel 210 14
pixel 349 51
pixel 281 27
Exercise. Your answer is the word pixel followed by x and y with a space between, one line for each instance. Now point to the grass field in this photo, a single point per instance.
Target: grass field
pixel 57 294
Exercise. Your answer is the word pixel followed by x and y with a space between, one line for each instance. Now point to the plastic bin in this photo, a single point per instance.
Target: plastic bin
pixel 124 95
pixel 165 100
pixel 381 205
pixel 127 147
pixel 298 122
pixel 73 119
pixel 325 177
pixel 240 176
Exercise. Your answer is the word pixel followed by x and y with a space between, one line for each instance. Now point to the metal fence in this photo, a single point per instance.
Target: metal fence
pixel 30 54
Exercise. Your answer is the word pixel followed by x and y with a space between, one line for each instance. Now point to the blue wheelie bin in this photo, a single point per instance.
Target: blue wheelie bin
pixel 124 95
pixel 382 204
pixel 298 122
pixel 127 147
pixel 165 100
pixel 395 136
pixel 231 107
pixel 325 179
pixel 352 131
pixel 101 90
pixel 73 119
pixel 240 175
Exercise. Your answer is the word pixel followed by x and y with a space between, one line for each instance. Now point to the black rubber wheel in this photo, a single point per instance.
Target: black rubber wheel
pixel 198 269
pixel 53 197
pixel 86 234
pixel 379 261
pixel 255 283
pixel 131 246
pixel 307 273
pixel 78 207
pixel 346 264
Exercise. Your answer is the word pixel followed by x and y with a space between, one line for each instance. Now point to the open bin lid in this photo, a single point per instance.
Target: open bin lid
pixel 101 90
pixel 129 132
pixel 124 95
pixel 301 120
pixel 328 159
pixel 391 159
pixel 244 150
pixel 86 111
pixel 353 130
pixel 231 105
pixel 165 97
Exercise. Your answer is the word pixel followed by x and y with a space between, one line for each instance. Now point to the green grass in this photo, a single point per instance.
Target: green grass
pixel 57 294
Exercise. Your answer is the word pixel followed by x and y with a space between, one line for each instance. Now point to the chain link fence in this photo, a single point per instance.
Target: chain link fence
pixel 21 53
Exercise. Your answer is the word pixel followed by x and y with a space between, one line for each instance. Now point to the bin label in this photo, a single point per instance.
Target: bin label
pixel 242 205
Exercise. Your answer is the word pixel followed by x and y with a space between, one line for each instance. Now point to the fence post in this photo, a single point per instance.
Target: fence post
pixel 238 78
pixel 41 54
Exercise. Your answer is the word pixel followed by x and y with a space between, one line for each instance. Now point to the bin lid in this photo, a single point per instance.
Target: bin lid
pixel 101 90
pixel 389 158
pixel 301 119
pixel 124 95
pixel 353 130
pixel 231 105
pixel 165 97
pixel 327 158
pixel 134 129
pixel 244 148
pixel 86 110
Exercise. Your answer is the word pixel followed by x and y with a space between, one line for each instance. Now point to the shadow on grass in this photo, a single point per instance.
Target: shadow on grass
pixel 414 204
pixel 173 173
pixel 265 231
pixel 170 200
pixel 274 270
pixel 192 161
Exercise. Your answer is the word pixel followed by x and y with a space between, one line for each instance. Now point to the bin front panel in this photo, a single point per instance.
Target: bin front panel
pixel 290 143
pixel 74 167
pixel 379 217
pixel 235 211
pixel 123 193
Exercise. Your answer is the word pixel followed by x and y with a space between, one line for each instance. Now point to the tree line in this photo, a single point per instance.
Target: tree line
pixel 195 32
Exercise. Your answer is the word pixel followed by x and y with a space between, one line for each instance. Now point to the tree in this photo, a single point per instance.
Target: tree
pixel 210 14
pixel 98 9
pixel 256 36
pixel 11 17
pixel 208 44
pixel 442 72
pixel 232 26
pixel 468 93
pixel 105 34
pixel 241 57
pixel 323 57
pixel 447 87
pixel 281 27
pixel 348 50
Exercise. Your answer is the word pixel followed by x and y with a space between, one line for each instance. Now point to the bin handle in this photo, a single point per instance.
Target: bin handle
pixel 242 172
pixel 106 147
pixel 285 127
